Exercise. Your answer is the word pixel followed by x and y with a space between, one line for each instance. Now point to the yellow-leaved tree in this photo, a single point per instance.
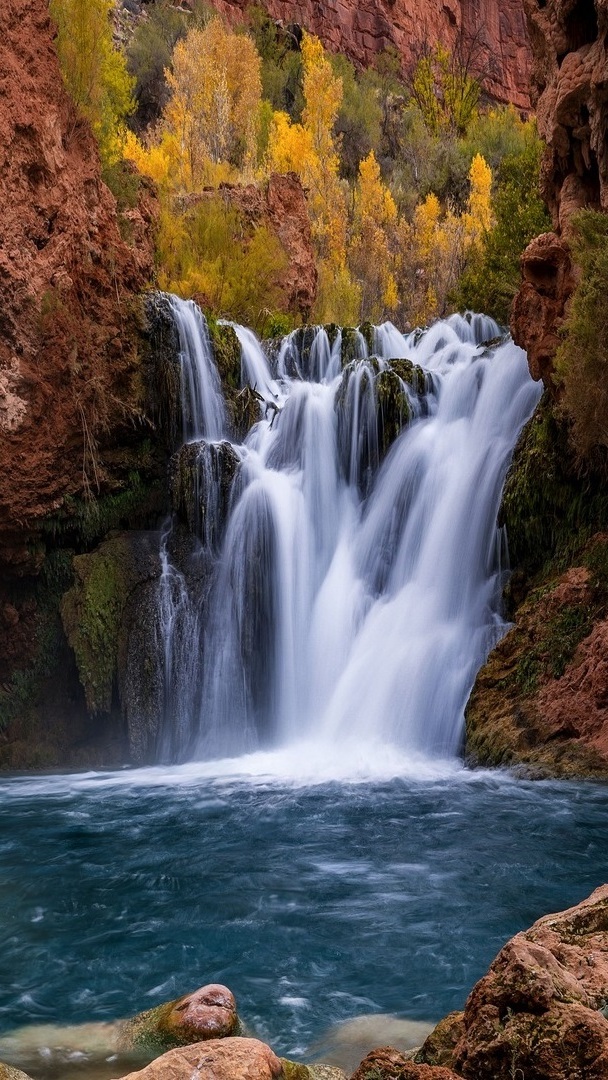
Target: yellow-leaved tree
pixel 94 71
pixel 209 129
pixel 373 251
pixel 440 242
pixel 311 149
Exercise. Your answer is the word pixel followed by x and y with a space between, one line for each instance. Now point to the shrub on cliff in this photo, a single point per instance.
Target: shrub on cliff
pixel 582 359
pixel 94 72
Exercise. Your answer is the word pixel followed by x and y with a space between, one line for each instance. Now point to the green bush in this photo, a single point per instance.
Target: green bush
pixel 492 276
pixel 582 358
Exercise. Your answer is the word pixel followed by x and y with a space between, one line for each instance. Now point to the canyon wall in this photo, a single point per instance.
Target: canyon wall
pixel 70 270
pixel 570 94
pixel 541 701
pixel 495 35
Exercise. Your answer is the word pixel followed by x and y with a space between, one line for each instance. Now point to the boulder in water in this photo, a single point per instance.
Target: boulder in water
pixel 218 1059
pixel 208 1013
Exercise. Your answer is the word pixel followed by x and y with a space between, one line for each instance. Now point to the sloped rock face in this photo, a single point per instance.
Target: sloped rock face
pixel 69 323
pixel 363 30
pixel 570 90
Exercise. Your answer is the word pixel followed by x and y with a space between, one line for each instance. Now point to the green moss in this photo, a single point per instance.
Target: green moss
pixel 138 499
pixel 92 612
pixel 558 641
pixel 368 331
pixel 227 353
pixel 332 330
pixel 349 348
pixel 293 1070
pixel 551 507
pixel 20 695
pixel 394 410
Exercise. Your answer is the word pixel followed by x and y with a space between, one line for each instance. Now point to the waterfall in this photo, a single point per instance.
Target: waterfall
pixel 355 567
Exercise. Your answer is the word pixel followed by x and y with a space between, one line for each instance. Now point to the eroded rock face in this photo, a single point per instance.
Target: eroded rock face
pixel 537 1012
pixel 362 30
pixel 570 90
pixel 69 332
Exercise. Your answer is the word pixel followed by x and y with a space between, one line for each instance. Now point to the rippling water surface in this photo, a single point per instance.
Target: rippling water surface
pixel 314 902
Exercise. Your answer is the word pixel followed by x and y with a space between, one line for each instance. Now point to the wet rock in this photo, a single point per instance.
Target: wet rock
pixel 293 1070
pixel 92 610
pixel 208 1013
pixel 200 479
pixel 218 1059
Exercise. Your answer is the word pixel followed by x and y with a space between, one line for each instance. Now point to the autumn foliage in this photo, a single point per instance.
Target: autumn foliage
pixel 403 184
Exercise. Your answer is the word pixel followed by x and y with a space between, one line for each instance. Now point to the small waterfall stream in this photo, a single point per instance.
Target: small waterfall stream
pixel 353 587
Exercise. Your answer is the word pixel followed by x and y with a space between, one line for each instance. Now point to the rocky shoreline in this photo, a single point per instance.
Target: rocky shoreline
pixel 540 1012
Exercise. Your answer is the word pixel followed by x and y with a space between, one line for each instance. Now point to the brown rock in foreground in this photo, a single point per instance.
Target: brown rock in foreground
pixel 218 1059
pixel 496 32
pixel 537 1013
pixel 386 1063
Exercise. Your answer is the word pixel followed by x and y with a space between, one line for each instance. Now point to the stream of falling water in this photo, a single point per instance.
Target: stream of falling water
pixel 354 595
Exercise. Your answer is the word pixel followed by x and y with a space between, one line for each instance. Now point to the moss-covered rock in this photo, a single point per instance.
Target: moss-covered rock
pixel 200 478
pixel 552 504
pixel 350 345
pixel 438 1047
pixel 208 1013
pixel 394 410
pixel 92 609
pixel 537 702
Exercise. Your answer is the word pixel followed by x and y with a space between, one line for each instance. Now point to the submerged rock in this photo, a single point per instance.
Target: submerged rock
pixel 218 1059
pixel 208 1013
pixel 347 1043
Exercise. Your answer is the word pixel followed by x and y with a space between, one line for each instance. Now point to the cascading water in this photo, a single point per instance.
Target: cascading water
pixel 353 596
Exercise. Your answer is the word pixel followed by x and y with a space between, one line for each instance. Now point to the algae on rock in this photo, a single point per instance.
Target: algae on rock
pixel 92 609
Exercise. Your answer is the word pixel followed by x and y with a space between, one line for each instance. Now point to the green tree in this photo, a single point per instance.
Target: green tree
pixel 94 72
pixel 493 276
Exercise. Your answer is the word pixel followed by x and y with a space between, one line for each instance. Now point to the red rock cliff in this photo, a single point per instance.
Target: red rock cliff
pixel 362 30
pixel 68 354
pixel 570 77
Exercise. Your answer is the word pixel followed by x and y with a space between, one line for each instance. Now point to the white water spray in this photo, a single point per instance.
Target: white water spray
pixel 354 599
